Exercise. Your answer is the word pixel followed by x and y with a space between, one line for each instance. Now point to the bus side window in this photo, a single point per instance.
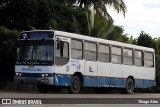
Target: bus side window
pixel 138 58
pixel 62 53
pixel 148 59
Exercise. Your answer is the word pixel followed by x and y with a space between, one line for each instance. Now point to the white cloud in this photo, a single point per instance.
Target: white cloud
pixel 141 15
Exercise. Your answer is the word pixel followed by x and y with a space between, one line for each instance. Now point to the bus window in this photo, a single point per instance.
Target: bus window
pixel 90 53
pixel 116 55
pixel 127 56
pixel 103 53
pixel 76 49
pixel 62 53
pixel 148 59
pixel 138 58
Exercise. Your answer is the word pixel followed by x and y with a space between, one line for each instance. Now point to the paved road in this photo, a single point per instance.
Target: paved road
pixel 83 98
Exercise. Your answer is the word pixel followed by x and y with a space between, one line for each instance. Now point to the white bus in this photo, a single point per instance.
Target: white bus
pixel 51 58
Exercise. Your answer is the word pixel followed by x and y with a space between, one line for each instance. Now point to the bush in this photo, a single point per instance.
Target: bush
pixel 8 39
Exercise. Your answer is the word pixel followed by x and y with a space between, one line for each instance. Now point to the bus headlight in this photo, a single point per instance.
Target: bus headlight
pixel 46 75
pixel 42 75
pixel 17 74
pixel 20 74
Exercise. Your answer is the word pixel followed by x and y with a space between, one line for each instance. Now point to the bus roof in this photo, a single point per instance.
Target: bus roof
pixel 97 40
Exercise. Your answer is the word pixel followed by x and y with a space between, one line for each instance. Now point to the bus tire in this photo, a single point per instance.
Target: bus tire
pixel 130 86
pixel 75 87
pixel 42 88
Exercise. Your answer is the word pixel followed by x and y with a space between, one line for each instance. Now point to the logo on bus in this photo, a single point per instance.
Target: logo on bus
pixel 78 66
pixel 90 69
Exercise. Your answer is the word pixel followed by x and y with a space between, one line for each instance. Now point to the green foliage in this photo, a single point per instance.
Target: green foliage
pixel 8 40
pixel 101 27
pixel 19 14
pixel 101 6
pixel 105 29
pixel 145 40
pixel 131 40
pixel 69 19
pixel 158 61
pixel 117 34
pixel 44 14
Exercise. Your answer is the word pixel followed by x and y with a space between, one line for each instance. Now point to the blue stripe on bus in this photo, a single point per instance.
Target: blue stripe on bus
pixel 139 83
pixel 92 81
pixel 149 83
pixel 115 82
pixel 62 80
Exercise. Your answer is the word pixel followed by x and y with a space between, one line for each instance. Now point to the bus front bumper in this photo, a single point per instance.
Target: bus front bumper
pixel 33 80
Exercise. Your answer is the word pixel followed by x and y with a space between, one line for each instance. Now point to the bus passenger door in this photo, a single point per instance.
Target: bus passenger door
pixel 62 69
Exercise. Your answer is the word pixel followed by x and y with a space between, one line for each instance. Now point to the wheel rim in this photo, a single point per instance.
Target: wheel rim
pixel 130 87
pixel 76 85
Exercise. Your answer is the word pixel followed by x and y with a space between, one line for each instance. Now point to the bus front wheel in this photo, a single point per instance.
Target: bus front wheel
pixel 42 88
pixel 75 85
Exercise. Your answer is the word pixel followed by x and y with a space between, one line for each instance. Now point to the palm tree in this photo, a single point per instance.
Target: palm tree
pixel 101 7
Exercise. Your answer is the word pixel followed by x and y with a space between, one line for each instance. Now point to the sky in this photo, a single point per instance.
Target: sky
pixel 141 15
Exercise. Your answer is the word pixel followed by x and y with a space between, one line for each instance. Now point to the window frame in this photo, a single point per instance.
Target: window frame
pixel 61 56
pixel 149 59
pixel 90 50
pixel 109 53
pixel 82 50
pixel 132 57
pixel 142 58
pixel 117 54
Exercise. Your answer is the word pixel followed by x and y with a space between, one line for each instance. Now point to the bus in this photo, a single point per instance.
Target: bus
pixel 54 59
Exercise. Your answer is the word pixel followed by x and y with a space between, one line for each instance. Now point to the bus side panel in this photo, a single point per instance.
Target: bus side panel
pixel 149 77
pixel 139 77
pixel 116 75
pixel 128 70
pixel 76 66
pixel 90 78
pixel 62 80
pixel 104 74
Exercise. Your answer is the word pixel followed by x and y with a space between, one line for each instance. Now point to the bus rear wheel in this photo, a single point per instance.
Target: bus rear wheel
pixel 75 87
pixel 129 86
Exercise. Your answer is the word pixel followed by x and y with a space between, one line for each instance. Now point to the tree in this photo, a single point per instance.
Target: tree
pixel 4 3
pixel 8 39
pixel 145 40
pixel 101 28
pixel 131 40
pixel 44 14
pixel 19 14
pixel 158 61
pixel 117 34
pixel 101 6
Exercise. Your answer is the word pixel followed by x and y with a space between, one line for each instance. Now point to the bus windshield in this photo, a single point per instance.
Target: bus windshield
pixel 35 52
